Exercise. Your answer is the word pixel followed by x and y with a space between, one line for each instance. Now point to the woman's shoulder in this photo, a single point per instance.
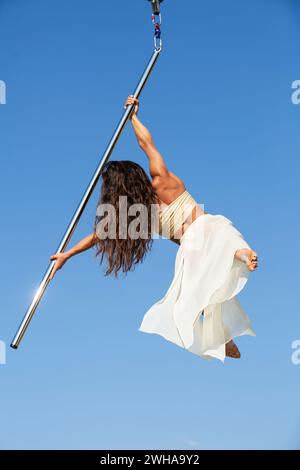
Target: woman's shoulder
pixel 168 189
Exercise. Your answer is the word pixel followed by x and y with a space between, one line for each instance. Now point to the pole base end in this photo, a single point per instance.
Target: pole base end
pixel 14 346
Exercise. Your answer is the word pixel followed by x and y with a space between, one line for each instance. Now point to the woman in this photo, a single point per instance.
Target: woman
pixel 199 311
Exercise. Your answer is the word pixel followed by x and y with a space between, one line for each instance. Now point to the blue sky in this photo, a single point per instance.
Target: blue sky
pixel 219 107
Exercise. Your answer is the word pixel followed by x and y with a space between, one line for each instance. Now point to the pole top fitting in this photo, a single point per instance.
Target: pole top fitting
pixel 156 6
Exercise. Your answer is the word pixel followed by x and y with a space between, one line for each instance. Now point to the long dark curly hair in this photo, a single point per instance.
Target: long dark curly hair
pixel 124 178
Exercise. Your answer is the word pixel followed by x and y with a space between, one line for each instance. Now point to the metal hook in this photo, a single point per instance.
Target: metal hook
pixel 158 44
pixel 157 19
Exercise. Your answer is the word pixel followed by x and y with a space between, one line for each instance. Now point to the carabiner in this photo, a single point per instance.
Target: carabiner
pixel 156 18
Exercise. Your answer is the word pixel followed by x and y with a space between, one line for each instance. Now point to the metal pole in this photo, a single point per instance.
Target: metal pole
pixel 76 217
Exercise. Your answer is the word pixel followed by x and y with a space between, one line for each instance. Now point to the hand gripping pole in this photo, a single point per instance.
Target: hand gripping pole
pixel 76 217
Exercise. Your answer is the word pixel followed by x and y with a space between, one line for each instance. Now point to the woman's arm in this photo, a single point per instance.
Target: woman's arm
pixel 61 258
pixel 158 166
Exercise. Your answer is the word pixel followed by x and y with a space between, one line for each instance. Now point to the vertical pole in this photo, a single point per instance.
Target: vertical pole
pixel 76 217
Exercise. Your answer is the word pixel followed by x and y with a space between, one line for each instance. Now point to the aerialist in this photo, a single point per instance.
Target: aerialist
pixel 200 311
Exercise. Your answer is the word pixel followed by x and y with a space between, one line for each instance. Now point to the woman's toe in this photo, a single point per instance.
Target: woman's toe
pixel 253 261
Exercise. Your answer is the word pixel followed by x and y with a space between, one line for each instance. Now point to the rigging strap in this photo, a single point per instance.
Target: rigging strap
pixel 157 20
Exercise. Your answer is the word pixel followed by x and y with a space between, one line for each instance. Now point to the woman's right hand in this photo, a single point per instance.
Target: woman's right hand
pixel 131 100
pixel 60 259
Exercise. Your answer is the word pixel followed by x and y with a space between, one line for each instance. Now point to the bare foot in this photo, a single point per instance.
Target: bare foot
pixel 232 350
pixel 249 257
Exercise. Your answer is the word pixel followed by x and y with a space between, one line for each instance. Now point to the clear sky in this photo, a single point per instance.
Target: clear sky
pixel 219 107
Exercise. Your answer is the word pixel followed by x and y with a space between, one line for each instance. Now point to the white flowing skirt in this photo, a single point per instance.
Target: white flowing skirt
pixel 200 311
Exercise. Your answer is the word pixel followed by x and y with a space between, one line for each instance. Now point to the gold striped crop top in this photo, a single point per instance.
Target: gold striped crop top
pixel 172 217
